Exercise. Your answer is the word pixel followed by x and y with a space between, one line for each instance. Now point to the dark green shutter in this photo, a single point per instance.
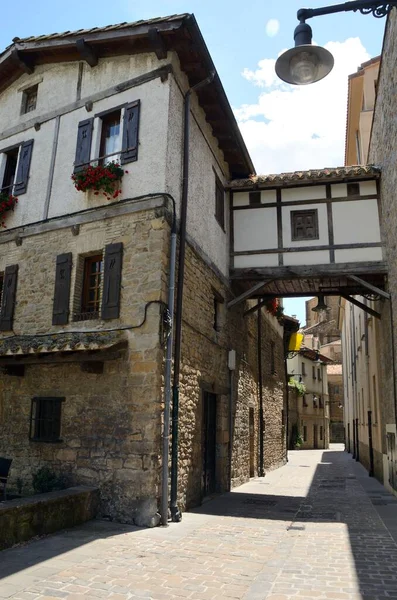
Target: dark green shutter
pixel 8 299
pixel 112 281
pixel 25 157
pixel 83 146
pixel 60 312
pixel 130 133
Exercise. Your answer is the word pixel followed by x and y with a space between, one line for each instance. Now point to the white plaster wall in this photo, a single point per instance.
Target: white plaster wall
pixel 320 257
pixel 255 229
pixel 315 192
pixel 146 175
pixel 367 188
pixel 358 255
pixel 356 222
pixel 206 159
pixel 255 260
pixel 242 198
pixel 322 226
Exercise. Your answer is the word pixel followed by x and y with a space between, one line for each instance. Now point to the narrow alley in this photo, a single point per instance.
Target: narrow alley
pixel 317 528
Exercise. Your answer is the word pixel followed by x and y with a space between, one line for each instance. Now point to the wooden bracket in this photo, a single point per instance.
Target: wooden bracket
pixel 371 288
pixel 24 63
pixel 157 43
pixel 86 52
pixel 248 293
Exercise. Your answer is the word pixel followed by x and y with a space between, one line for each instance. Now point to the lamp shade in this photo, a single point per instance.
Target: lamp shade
pixel 304 64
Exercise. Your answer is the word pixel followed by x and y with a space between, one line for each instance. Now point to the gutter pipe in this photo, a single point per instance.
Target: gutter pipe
pixel 176 515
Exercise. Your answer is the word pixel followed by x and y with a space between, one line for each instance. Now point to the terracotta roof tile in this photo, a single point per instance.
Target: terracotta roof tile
pixel 333 173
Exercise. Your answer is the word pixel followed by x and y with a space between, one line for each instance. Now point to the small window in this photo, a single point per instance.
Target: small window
pixel 110 137
pixel 304 400
pixel 304 225
pixel 353 189
pixel 321 402
pixel 304 433
pixel 303 369
pixel 314 372
pixel 219 202
pixel 45 419
pixel 10 170
pixel 321 432
pixel 92 285
pixel 319 374
pixel 314 401
pixel 218 308
pixel 29 99
pixel 255 198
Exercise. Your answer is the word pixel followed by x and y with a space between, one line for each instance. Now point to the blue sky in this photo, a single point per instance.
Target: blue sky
pixel 285 128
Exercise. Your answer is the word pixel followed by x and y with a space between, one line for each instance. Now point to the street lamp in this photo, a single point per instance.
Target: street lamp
pixel 306 63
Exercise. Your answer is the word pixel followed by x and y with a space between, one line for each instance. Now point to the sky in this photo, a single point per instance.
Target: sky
pixel 285 127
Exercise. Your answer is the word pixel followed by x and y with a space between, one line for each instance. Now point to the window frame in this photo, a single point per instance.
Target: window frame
pixel 219 202
pixel 314 372
pixel 85 289
pixel 295 214
pixel 7 152
pixel 104 117
pixel 25 98
pixel 38 404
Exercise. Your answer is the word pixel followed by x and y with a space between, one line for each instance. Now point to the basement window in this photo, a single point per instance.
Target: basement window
pixel 45 419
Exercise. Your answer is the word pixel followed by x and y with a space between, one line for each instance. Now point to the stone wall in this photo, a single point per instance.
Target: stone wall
pixel 20 520
pixel 111 421
pixel 383 152
pixel 205 368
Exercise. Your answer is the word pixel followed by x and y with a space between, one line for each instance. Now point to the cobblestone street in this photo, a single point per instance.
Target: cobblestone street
pixel 317 528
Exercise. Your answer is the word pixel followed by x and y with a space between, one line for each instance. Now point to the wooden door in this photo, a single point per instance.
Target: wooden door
pixel 209 443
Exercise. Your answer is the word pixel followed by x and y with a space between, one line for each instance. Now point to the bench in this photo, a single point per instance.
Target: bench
pixel 5 464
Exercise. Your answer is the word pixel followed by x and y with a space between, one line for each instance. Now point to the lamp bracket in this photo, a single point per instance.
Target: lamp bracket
pixel 365 7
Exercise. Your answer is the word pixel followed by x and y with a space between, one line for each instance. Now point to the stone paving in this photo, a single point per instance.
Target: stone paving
pixel 318 528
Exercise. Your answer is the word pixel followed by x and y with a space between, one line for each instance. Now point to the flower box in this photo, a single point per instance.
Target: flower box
pixel 101 179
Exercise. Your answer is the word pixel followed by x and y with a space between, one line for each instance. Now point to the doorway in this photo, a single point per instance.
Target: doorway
pixel 209 443
pixel 315 437
pixel 252 441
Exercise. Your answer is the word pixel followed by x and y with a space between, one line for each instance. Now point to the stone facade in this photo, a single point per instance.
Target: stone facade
pixel 335 394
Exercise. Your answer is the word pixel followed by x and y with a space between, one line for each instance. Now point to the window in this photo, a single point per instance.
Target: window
pixel 303 369
pixel 10 170
pixel 92 285
pixel 319 375
pixel 272 359
pixel 29 99
pixel 255 198
pixel 304 433
pixel 218 305
pixel 304 400
pixel 304 225
pixel 219 202
pixel 45 419
pixel 353 189
pixel 314 372
pixel 321 432
pixel 110 137
pixel 314 401
pixel 321 402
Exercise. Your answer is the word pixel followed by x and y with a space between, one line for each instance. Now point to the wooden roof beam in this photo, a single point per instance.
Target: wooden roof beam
pixel 23 62
pixel 157 43
pixel 86 52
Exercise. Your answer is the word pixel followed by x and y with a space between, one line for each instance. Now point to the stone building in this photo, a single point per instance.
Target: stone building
pixel 85 277
pixel 309 412
pixel 336 400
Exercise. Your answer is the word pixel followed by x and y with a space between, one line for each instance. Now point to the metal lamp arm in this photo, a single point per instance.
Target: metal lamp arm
pixel 378 9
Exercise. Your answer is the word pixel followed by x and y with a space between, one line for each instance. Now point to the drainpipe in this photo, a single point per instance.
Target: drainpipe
pixel 175 513
pixel 260 379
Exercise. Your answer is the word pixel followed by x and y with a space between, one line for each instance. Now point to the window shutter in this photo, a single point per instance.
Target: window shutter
pixel 130 133
pixel 60 312
pixel 25 156
pixel 112 281
pixel 83 147
pixel 8 300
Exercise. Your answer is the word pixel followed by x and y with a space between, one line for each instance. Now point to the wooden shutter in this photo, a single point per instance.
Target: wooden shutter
pixel 83 146
pixel 112 281
pixel 8 298
pixel 60 312
pixel 130 133
pixel 21 180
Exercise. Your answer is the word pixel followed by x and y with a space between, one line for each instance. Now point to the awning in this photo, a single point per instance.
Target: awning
pixel 21 345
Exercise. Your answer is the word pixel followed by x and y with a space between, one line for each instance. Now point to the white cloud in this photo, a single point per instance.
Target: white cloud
pixel 299 127
pixel 272 27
